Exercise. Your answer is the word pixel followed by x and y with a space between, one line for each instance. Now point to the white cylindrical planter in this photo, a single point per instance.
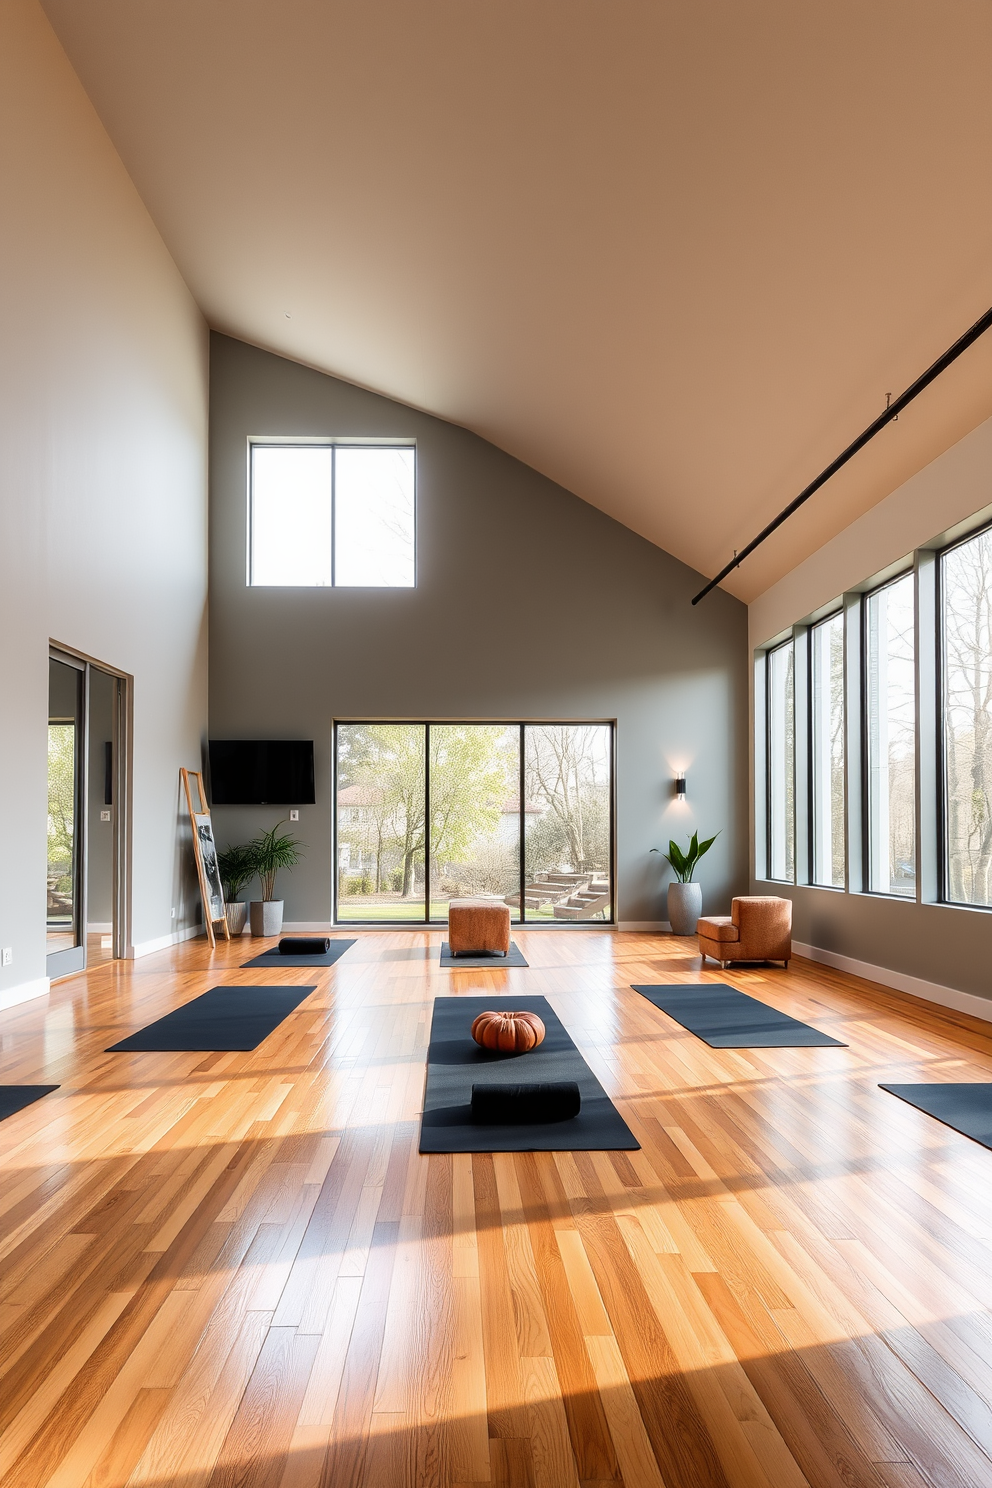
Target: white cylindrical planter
pixel 236 914
pixel 685 905
pixel 266 916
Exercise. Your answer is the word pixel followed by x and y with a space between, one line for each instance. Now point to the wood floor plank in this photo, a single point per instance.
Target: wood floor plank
pixel 236 1268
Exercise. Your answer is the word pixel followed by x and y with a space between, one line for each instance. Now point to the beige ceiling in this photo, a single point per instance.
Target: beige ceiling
pixel 672 255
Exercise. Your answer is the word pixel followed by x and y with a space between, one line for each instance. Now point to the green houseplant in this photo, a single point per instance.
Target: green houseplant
pixel 685 898
pixel 269 852
pixel 237 870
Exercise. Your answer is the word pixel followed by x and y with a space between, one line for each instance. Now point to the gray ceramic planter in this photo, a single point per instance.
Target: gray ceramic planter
pixel 685 905
pixel 236 914
pixel 266 916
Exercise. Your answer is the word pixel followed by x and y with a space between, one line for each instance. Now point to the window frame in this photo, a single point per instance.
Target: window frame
pixel 522 724
pixel 837 613
pixel 772 651
pixel 941 752
pixel 333 443
pixel 927 569
pixel 864 729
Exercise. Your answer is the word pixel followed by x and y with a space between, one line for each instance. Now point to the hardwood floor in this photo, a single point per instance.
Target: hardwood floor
pixel 235 1269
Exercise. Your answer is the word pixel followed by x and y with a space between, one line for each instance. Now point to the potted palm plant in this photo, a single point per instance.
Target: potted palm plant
pixel 237 870
pixel 685 898
pixel 269 852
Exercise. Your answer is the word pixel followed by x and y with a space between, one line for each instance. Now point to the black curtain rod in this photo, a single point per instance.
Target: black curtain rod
pixel 893 411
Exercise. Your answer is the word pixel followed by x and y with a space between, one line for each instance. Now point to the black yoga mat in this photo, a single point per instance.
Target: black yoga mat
pixel 483 958
pixel 223 1019
pixel 279 958
pixel 15 1097
pixel 965 1108
pixel 455 1063
pixel 727 1019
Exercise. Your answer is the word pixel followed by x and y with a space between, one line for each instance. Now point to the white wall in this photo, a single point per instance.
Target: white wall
pixel 103 420
pixel 949 490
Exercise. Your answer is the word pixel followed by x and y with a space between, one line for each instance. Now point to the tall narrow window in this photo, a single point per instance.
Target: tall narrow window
pixel 891 721
pixel 325 514
pixel 781 764
pixel 827 721
pixel 966 581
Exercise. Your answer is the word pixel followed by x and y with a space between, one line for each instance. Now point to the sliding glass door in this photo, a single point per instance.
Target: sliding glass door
pixel 430 812
pixel 381 821
pixel 475 816
pixel 568 774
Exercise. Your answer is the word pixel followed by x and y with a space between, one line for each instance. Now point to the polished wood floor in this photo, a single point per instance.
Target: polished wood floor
pixel 235 1269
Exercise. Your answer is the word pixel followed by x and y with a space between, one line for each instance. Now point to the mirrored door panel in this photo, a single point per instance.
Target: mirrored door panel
pixel 65 941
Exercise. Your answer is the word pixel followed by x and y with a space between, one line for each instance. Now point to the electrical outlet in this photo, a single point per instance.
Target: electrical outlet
pixel 172 914
pixel 7 956
pixel 104 815
pixel 294 815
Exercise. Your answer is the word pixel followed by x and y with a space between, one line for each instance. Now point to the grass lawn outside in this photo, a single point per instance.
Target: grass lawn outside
pixel 412 913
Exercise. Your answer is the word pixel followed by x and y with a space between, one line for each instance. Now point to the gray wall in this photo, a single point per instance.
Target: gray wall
pixel 946 944
pixel 529 604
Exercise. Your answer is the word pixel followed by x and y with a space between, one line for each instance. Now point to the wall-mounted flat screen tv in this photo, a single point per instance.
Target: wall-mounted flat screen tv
pixel 261 772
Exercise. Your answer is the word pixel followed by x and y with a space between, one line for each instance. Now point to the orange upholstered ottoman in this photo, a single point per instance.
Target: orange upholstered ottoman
pixel 478 925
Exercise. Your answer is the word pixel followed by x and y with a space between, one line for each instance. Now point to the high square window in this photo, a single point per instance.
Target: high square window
pixel 323 515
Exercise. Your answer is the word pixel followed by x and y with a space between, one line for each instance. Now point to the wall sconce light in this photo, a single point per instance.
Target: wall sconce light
pixel 680 787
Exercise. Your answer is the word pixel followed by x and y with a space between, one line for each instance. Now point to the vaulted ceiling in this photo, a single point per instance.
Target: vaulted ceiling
pixel 673 255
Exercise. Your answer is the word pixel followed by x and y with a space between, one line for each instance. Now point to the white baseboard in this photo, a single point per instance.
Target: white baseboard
pixel 326 926
pixel 950 997
pixel 24 992
pixel 99 927
pixel 656 927
pixel 162 942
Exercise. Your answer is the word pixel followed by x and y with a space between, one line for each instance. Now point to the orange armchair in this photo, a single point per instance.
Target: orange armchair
pixel 757 929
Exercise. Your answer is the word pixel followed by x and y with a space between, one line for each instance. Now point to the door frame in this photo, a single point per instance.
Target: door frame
pixel 65 963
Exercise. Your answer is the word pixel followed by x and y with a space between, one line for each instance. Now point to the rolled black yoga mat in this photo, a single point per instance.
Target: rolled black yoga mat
pixel 500 1105
pixel 14 1098
pixel 456 1063
pixel 223 1019
pixel 278 957
pixel 727 1019
pixel 304 945
pixel 966 1108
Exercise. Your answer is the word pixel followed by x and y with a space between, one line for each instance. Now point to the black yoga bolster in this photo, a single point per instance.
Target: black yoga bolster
pixel 305 945
pixel 505 1105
